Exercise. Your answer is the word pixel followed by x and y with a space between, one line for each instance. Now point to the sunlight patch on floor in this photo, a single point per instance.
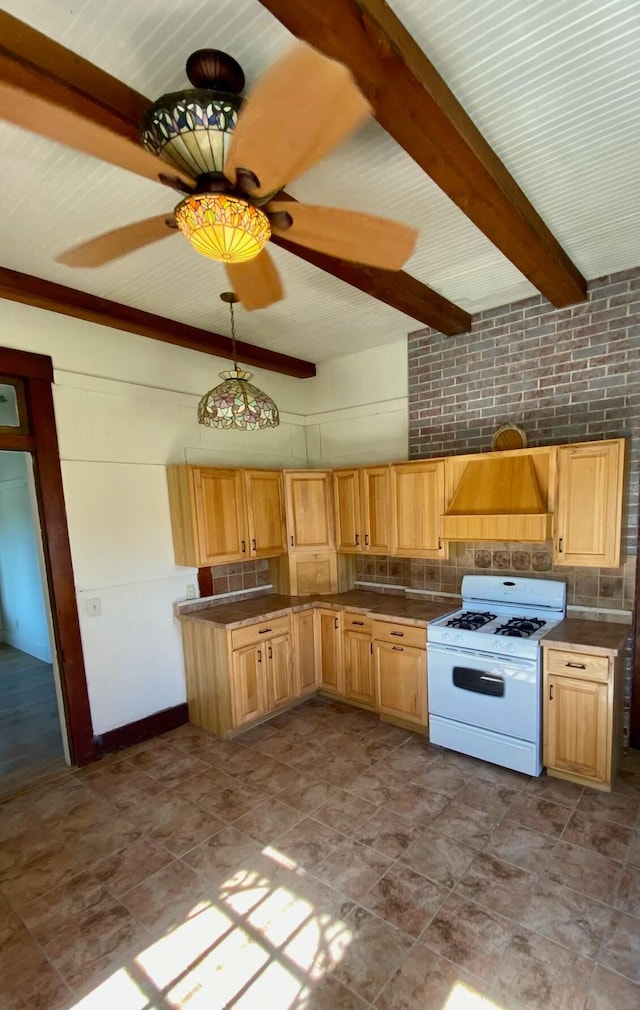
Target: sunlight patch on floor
pixel 119 990
pixel 462 997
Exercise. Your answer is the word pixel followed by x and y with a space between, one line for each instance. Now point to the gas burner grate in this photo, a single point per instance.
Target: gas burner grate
pixel 520 627
pixel 471 620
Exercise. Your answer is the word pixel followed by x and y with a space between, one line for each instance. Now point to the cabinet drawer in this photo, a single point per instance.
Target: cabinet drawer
pixel 400 634
pixel 259 632
pixel 356 622
pixel 577 664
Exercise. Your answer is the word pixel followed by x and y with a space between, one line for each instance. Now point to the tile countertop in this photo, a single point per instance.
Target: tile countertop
pixel 245 612
pixel 599 637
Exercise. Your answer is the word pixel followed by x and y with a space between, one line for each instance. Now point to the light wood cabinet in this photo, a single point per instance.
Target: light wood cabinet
pixel 306 666
pixel 221 514
pixel 248 685
pixel 357 659
pixel 309 510
pixel 329 643
pixel 582 715
pixel 362 510
pixel 400 667
pixel 417 503
pixel 589 504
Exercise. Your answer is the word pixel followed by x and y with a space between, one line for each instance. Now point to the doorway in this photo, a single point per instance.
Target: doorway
pixel 32 728
pixel 28 430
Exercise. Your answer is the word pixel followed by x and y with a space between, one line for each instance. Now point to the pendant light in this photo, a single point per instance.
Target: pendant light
pixel 235 402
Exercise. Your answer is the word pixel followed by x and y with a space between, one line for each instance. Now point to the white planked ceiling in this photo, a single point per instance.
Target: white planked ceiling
pixel 552 85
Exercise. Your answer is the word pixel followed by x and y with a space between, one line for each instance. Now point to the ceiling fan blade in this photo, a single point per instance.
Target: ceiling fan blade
pixel 347 234
pixel 114 244
pixel 256 282
pixel 299 110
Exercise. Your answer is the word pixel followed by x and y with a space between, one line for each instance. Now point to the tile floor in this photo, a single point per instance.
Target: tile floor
pixel 30 741
pixel 324 861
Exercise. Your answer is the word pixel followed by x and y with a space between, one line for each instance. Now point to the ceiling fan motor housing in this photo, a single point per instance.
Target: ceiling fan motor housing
pixel 191 129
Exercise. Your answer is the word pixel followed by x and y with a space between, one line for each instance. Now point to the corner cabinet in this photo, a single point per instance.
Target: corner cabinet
pixel 417 503
pixel 309 509
pixel 362 510
pixel 220 515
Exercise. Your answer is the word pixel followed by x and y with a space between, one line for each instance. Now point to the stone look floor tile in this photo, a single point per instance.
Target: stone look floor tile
pixel 440 778
pixel 46 916
pixel 39 876
pixel 472 937
pixel 418 805
pixel 490 796
pixel 125 869
pixel 426 980
pixel 376 949
pixel 522 846
pixel 439 858
pixel 555 790
pixel 499 886
pixel 541 975
pixel 584 870
pixel 188 827
pixel 633 854
pixel 606 837
pixel 308 842
pixel 34 984
pixel 387 832
pixel 16 942
pixel 405 898
pixel 540 814
pixel 466 824
pixel 628 897
pixel 166 897
pixel 612 992
pixel 344 812
pixel 220 855
pixel 352 868
pixel 620 949
pixel 567 917
pixel 268 820
pixel 623 808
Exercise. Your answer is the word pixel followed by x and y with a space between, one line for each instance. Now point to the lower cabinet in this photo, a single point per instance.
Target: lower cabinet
pixel 306 668
pixel 582 714
pixel 400 665
pixel 329 645
pixel 357 659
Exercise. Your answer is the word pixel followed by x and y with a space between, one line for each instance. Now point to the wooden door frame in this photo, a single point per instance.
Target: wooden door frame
pixel 41 442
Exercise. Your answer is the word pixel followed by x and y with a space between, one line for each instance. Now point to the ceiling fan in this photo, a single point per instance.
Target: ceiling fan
pixel 232 157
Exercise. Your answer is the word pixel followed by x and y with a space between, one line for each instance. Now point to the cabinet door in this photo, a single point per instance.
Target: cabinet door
pixel 418 496
pixel 328 637
pixel 279 671
pixel 346 491
pixel 358 668
pixel 376 509
pixel 220 515
pixel 589 504
pixel 309 510
pixel 248 685
pixel 306 660
pixel 265 510
pixel 575 726
pixel 401 681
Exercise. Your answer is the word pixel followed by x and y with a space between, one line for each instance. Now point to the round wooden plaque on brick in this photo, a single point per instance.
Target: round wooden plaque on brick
pixel 509 436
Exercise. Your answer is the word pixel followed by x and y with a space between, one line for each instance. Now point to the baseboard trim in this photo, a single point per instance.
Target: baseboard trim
pixel 143 729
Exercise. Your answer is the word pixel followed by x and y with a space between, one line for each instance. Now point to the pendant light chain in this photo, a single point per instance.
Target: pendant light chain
pixel 233 337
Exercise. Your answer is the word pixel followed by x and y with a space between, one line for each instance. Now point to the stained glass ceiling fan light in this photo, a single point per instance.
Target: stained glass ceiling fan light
pixel 235 402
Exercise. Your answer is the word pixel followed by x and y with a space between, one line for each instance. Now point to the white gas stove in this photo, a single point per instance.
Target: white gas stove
pixel 484 669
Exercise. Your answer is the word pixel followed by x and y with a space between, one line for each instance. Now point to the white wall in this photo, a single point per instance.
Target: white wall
pixel 125 407
pixel 23 615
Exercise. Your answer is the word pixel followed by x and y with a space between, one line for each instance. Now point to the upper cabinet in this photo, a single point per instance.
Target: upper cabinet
pixel 220 515
pixel 417 503
pixel 309 508
pixel 588 513
pixel 362 510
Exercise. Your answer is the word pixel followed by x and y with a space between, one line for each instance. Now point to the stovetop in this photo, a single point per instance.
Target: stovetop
pixel 502 615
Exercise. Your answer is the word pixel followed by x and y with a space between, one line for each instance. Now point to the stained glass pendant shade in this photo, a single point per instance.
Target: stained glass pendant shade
pixel 223 227
pixel 235 402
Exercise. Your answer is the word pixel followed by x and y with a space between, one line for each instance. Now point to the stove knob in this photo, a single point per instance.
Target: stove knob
pixel 446 637
pixel 458 639
pixel 511 648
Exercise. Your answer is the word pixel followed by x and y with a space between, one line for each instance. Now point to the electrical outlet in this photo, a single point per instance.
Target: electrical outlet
pixel 191 591
pixel 94 607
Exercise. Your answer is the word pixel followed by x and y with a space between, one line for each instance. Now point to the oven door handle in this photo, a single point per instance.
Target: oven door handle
pixel 471 654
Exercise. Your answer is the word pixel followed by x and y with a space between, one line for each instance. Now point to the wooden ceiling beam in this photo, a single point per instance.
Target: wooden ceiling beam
pixel 18 287
pixel 395 288
pixel 415 106
pixel 55 86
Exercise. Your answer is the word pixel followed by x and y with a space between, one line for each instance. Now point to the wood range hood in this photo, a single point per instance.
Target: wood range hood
pixel 498 498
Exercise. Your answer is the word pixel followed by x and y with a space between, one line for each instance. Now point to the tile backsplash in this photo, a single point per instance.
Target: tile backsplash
pixel 240 575
pixel 601 588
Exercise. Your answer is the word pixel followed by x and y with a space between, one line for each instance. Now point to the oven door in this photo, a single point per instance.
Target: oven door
pixel 501 694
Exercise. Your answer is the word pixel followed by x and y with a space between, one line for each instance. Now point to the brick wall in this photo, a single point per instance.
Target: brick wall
pixel 564 375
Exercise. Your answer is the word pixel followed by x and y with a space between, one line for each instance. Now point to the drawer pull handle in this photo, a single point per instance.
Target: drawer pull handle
pixel 357 539
pixel 576 666
pixel 263 631
pixel 253 544
pixel 270 653
pixel 361 623
pixel 335 622
pixel 398 634
pixel 398 648
pixel 366 539
pixel 560 545
pixel 243 546
pixel 550 692
pixel 259 655
pixel 292 541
